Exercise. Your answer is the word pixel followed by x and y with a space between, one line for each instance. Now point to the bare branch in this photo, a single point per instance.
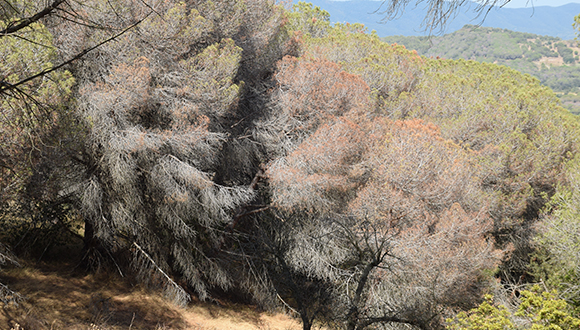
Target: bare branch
pixel 439 12
pixel 180 296
pixel 4 86
pixel 23 23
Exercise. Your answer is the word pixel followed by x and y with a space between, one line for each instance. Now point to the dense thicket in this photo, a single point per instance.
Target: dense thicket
pixel 156 109
pixel 234 146
pixel 159 107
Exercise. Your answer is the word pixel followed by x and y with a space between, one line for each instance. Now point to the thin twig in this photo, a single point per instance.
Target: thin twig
pixel 132 319
pixel 172 282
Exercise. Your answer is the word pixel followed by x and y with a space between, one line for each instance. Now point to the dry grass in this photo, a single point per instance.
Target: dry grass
pixel 57 299
pixel 211 317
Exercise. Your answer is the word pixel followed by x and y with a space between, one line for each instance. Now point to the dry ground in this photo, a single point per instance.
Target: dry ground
pixel 58 299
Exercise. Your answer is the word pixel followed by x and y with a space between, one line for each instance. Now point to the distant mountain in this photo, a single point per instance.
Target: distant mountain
pixel 554 62
pixel 541 20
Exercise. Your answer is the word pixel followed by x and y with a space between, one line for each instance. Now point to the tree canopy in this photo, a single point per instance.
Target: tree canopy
pixel 242 148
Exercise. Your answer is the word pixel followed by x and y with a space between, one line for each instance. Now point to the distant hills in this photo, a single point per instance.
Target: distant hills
pixel 541 20
pixel 556 63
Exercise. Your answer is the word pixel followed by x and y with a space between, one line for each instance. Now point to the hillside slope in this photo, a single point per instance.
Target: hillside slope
pixel 553 61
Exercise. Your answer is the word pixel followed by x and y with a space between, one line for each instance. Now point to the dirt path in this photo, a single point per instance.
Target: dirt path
pixel 59 300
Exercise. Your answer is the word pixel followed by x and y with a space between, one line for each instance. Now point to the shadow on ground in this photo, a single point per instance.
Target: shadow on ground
pixel 56 299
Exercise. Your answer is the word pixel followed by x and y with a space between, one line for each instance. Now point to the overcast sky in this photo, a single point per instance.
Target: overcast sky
pixel 528 3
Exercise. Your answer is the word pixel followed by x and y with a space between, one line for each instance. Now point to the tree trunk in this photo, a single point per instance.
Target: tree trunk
pixel 353 313
pixel 306 324
pixel 91 254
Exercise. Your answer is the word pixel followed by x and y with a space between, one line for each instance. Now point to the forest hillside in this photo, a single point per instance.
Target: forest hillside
pixel 552 60
pixel 238 151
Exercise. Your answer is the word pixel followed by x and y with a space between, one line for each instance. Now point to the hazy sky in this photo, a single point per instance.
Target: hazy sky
pixel 528 3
